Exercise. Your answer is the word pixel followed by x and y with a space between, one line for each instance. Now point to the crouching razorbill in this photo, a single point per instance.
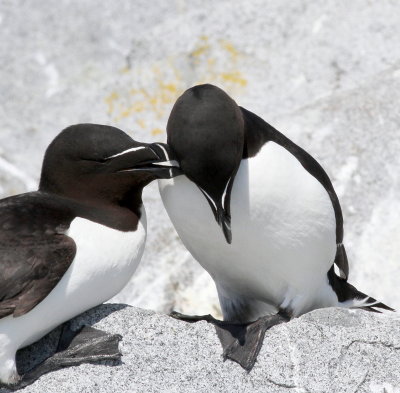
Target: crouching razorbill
pixel 281 221
pixel 75 242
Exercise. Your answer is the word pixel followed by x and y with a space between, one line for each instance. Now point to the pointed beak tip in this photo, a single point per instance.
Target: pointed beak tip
pixel 168 164
pixel 224 221
pixel 228 236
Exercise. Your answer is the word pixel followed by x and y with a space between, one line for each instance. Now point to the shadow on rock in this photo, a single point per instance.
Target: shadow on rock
pixel 70 344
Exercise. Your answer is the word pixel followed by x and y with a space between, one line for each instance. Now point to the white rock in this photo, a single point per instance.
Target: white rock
pixel 328 350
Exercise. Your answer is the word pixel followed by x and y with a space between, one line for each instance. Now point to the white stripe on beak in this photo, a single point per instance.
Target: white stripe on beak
pixel 223 195
pixel 209 198
pixel 163 149
pixel 126 151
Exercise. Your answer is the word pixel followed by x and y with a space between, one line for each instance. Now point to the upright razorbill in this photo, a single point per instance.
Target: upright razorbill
pixel 75 242
pixel 281 221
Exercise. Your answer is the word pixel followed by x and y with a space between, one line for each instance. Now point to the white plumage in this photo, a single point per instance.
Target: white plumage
pixel 105 261
pixel 283 235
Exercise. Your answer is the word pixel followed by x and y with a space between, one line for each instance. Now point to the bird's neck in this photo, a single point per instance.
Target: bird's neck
pixel 121 214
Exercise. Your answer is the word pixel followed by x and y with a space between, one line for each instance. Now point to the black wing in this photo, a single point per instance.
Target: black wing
pixel 34 251
pixel 257 133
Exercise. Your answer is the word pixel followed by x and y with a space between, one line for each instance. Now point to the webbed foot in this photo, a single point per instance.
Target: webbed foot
pixel 240 342
pixel 86 345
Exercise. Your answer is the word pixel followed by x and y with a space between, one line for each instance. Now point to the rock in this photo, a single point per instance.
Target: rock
pixel 328 350
pixel 325 72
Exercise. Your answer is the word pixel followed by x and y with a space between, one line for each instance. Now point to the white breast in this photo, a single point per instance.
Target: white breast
pixel 105 261
pixel 283 230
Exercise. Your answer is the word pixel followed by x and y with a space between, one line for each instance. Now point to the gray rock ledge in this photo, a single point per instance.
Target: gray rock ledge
pixel 328 350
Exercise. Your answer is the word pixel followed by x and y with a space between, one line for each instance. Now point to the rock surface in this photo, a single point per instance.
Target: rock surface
pixel 325 351
pixel 326 73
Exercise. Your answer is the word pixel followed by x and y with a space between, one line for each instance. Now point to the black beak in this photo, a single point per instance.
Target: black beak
pixel 221 215
pixel 155 159
pixel 224 221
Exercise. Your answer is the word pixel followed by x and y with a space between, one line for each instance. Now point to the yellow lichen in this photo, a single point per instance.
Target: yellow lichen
pixel 228 46
pixel 156 131
pixel 171 87
pixel 234 77
pixel 141 123
pixel 165 80
pixel 199 50
pixel 124 70
pixel 110 101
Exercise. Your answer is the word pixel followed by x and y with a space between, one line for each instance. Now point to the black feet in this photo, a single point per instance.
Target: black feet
pixel 87 345
pixel 245 349
pixel 240 342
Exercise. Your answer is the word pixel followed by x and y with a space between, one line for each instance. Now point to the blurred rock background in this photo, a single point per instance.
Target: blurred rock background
pixel 326 73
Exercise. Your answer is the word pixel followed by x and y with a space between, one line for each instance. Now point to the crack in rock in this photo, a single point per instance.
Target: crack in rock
pixel 361 382
pixel 295 363
pixel 386 345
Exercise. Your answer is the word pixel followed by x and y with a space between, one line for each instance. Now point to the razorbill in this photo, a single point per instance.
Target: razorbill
pixel 75 242
pixel 281 221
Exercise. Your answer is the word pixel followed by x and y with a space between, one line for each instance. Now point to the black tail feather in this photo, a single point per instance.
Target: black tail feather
pixel 370 309
pixel 346 291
